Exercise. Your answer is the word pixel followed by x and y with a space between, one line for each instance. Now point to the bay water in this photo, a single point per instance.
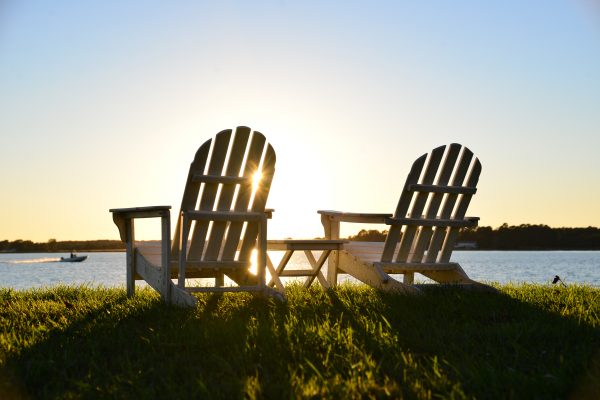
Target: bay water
pixel 35 270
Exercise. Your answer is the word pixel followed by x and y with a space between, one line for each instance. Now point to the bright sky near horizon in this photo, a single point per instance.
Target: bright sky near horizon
pixel 103 104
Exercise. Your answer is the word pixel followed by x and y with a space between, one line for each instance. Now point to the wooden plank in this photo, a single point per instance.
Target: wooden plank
pixel 402 208
pixel 154 211
pixel 209 193
pixel 441 188
pixel 225 216
pixel 165 262
pixel 452 276
pixel 331 228
pixel 122 215
pixel 435 200
pixel 461 209
pixel 181 297
pixel 431 169
pixel 262 253
pixel 218 265
pixel 299 244
pixel 183 246
pixel 365 218
pixel 425 222
pixel 151 273
pixel 396 268
pixel 130 254
pixel 440 233
pixel 367 273
pixel 316 266
pixel 275 281
pixel 296 273
pixel 236 157
pixel 260 199
pixel 191 192
pixel 423 233
pixel 224 179
pixel 252 162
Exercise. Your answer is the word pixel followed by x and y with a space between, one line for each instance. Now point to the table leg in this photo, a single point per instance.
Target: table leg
pixel 316 266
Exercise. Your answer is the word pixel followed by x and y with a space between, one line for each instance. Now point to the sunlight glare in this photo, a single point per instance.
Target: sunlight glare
pixel 256 180
pixel 254 262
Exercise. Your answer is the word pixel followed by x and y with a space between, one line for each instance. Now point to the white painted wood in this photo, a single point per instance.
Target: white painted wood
pixel 165 261
pixel 275 281
pixel 307 246
pixel 423 220
pixel 331 226
pixel 365 218
pixel 316 267
pixel 431 222
pixel 223 179
pixel 213 184
pixel 367 273
pixel 441 188
pixel 130 254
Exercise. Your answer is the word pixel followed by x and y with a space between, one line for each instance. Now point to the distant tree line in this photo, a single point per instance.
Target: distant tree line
pixel 521 237
pixel 505 237
pixel 52 246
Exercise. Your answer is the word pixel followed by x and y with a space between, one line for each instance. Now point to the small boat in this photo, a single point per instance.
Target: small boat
pixel 73 258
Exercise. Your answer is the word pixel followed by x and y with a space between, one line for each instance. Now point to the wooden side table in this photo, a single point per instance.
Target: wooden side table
pixel 307 246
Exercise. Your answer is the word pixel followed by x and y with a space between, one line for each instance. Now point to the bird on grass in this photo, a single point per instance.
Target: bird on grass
pixel 557 279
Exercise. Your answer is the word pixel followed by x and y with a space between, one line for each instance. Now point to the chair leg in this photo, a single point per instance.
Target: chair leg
pixel 130 258
pixel 332 231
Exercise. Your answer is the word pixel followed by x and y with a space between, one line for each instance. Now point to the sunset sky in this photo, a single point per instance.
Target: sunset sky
pixel 104 103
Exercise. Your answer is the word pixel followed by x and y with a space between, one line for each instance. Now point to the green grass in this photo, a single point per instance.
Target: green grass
pixel 526 341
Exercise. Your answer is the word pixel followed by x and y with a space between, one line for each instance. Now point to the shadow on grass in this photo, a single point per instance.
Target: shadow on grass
pixel 350 341
pixel 533 345
pixel 139 349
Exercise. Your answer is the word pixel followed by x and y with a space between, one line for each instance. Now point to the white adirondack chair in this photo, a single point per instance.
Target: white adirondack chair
pixel 423 230
pixel 221 221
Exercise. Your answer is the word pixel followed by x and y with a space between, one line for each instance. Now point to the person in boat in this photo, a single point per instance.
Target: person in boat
pixel 73 255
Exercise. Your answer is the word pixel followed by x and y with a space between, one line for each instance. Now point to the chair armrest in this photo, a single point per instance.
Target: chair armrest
pixel 365 218
pixel 121 216
pixel 474 221
pixel 139 212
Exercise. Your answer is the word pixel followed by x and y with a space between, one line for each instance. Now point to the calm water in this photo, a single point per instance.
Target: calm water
pixel 22 271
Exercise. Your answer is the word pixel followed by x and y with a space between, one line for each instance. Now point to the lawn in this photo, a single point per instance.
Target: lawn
pixel 526 341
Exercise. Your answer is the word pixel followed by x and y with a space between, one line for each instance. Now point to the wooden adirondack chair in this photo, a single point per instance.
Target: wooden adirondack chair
pixel 423 230
pixel 221 221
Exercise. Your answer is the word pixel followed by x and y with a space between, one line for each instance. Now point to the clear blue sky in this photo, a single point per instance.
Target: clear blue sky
pixel 103 104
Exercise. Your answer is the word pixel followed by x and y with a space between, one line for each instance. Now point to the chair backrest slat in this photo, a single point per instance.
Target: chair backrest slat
pixel 214 183
pixel 406 242
pixel 442 191
pixel 190 193
pixel 461 210
pixel 394 233
pixel 259 202
pixel 224 202
pixel 458 180
pixel 435 200
pixel 242 202
pixel 209 194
